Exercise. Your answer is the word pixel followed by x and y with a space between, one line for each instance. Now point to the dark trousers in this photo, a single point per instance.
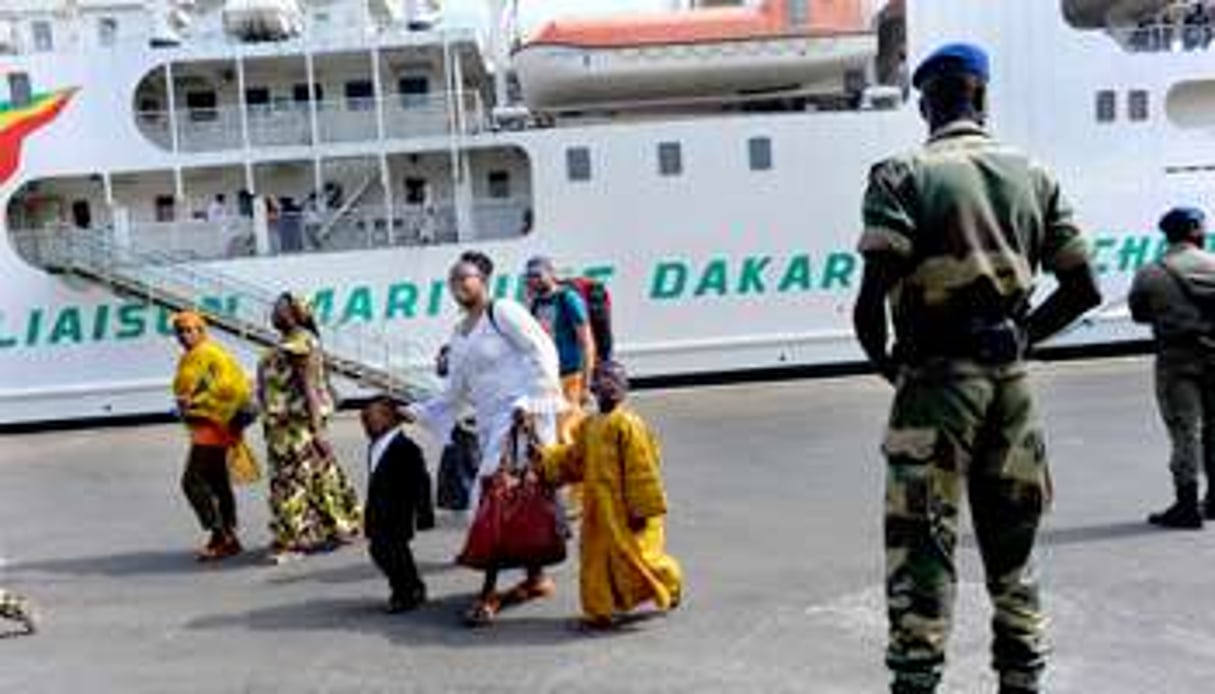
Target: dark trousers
pixel 392 554
pixel 389 524
pixel 208 488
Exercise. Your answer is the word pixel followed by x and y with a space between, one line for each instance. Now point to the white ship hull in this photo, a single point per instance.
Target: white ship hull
pixel 719 269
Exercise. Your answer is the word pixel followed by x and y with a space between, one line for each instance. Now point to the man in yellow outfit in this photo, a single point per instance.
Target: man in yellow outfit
pixel 617 459
pixel 211 390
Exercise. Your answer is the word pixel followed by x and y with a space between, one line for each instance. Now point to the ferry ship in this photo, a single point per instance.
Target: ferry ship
pixel 706 160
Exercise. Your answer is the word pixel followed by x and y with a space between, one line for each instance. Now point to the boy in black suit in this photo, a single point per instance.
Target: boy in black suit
pixel 398 502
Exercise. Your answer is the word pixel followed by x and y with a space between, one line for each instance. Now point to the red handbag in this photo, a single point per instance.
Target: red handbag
pixel 518 522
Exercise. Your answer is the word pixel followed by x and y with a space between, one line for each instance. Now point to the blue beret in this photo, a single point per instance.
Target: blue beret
pixel 953 58
pixel 1181 219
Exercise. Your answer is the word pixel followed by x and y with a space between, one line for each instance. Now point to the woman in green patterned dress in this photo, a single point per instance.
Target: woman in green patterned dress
pixel 313 505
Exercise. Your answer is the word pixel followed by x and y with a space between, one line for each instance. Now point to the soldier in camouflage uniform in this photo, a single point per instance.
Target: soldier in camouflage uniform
pixel 1174 295
pixel 954 236
pixel 15 608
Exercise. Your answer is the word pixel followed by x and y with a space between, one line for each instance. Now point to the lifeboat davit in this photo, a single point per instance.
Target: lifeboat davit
pixel 781 45
pixel 263 20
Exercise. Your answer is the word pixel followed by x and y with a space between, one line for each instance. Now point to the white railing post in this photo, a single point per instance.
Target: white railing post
pixel 241 101
pixel 171 102
pixel 261 226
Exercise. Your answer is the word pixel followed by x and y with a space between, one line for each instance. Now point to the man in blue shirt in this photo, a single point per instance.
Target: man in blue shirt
pixel 564 315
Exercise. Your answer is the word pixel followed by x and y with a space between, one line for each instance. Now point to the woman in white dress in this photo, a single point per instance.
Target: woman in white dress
pixel 500 361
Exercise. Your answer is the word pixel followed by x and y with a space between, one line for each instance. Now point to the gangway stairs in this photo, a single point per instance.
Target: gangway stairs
pixel 365 354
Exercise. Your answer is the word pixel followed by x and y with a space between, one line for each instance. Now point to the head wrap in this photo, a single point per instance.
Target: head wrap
pixel 189 319
pixel 301 311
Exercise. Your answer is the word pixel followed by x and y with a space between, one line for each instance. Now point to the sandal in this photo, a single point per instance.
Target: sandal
pixel 211 550
pixel 483 612
pixel 23 612
pixel 528 590
pixel 280 555
pixel 229 548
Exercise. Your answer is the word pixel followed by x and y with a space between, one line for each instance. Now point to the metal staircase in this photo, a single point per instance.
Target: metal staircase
pixel 365 354
pixel 348 206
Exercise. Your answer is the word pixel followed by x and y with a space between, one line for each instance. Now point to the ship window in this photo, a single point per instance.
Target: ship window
pixel 44 37
pixel 165 208
pixel 360 95
pixel 578 163
pixel 107 31
pixel 670 159
pixel 20 91
pixel 1137 105
pixel 414 91
pixel 415 191
pixel 499 184
pixel 202 106
pixel 1107 106
pixel 759 151
pixel 258 98
pixel 299 93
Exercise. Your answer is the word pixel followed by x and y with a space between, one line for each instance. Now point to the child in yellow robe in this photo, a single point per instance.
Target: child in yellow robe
pixel 615 456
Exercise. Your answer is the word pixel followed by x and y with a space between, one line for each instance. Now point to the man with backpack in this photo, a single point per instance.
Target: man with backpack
pixel 564 312
pixel 1176 296
pixel 575 313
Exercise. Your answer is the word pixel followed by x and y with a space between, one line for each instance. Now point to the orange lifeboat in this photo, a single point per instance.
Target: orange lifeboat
pixel 781 45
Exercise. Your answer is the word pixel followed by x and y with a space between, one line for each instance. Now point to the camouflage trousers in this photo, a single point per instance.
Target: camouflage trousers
pixel 958 430
pixel 1185 393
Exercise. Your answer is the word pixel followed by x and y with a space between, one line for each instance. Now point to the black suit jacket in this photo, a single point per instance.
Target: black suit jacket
pixel 399 500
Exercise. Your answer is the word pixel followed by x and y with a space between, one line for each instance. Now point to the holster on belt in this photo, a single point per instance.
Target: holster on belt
pixel 989 342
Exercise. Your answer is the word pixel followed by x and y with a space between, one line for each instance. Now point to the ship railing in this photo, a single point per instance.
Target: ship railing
pixel 370 226
pixel 194 239
pixel 371 355
pixel 1166 37
pixel 328 36
pixel 220 128
pixel 366 226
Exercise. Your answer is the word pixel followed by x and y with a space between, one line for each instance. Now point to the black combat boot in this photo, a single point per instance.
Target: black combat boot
pixel 1208 506
pixel 1184 514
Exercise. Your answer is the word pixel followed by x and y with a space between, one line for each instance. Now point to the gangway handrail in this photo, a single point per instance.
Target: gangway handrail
pixel 365 357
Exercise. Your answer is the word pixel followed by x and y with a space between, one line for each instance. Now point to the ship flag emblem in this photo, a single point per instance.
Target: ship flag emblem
pixel 18 122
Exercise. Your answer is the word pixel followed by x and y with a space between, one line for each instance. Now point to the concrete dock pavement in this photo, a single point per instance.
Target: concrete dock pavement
pixel 776 493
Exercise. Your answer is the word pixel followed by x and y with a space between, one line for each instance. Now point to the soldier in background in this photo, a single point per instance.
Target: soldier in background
pixel 1171 295
pixel 954 237
pixel 15 608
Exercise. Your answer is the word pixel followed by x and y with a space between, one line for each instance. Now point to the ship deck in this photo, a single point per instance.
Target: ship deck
pixel 776 491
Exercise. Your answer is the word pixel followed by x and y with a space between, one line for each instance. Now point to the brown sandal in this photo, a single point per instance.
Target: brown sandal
pixel 483 613
pixel 529 590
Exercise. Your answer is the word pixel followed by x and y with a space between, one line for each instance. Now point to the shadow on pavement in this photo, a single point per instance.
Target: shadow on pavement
pixel 144 563
pixel 1108 532
pixel 439 622
pixel 1085 534
pixel 355 573
pixel 1105 532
